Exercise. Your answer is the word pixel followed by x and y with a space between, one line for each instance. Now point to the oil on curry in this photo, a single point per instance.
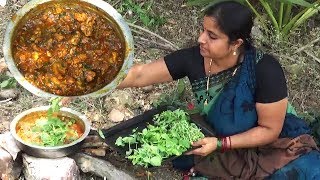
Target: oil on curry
pixel 68 48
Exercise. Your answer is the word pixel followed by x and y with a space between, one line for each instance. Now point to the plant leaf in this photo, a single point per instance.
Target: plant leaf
pixel 156 161
pixel 101 134
pixel 298 2
pixel 206 2
pixel 119 142
pixel 8 83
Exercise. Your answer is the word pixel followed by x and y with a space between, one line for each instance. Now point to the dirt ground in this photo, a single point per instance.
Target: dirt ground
pixel 181 28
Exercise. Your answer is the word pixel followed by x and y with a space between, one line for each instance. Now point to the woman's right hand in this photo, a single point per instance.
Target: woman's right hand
pixel 142 75
pixel 66 101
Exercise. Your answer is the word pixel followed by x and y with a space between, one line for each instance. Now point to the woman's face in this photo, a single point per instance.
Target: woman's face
pixel 214 44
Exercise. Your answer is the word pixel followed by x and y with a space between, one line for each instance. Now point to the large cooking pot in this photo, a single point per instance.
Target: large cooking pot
pixel 102 6
pixel 51 152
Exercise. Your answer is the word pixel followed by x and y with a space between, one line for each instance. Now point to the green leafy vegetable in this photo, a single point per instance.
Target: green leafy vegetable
pixel 171 135
pixel 8 83
pixel 101 134
pixel 53 131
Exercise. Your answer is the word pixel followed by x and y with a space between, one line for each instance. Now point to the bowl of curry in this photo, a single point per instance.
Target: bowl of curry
pixel 49 137
pixel 68 47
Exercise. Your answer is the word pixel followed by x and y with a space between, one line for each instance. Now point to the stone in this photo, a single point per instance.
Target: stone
pixel 147 89
pixel 9 169
pixel 116 116
pixel 3 3
pixel 4 124
pixel 9 94
pixel 3 65
pixel 120 97
pixel 99 167
pixel 5 164
pixel 53 169
pixel 8 143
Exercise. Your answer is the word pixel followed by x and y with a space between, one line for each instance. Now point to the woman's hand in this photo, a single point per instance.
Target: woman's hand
pixel 66 101
pixel 206 146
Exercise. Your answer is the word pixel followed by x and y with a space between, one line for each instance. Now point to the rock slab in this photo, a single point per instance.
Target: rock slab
pixel 10 161
pixel 54 169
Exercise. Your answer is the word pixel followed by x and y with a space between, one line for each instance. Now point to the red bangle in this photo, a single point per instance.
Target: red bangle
pixel 224 145
pixel 229 142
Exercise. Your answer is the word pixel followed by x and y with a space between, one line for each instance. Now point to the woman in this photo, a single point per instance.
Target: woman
pixel 243 94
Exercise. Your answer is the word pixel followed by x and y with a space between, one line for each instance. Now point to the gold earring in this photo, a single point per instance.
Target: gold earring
pixel 234 53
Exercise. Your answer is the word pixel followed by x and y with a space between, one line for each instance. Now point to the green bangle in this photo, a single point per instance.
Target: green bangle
pixel 219 144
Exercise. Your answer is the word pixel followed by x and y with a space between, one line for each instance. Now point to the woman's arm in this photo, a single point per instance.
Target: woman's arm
pixel 146 74
pixel 270 122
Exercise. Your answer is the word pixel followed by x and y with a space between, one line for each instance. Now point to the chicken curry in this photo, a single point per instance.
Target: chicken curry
pixel 68 48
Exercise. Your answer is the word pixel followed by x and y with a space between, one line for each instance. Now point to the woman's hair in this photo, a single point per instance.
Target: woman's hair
pixel 234 19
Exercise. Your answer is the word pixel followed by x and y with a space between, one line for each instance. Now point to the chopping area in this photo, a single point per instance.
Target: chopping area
pixel 99 113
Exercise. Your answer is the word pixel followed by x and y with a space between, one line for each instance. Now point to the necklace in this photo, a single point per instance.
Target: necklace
pixel 208 80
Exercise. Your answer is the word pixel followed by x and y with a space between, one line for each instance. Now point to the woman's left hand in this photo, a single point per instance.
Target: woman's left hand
pixel 205 146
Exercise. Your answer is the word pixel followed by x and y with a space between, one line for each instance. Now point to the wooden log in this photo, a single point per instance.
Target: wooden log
pixel 101 152
pixel 100 167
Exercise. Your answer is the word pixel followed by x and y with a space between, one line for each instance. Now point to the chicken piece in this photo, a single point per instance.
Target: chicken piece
pixel 89 75
pixel 51 19
pixel 72 50
pixel 62 53
pixel 50 43
pixel 37 31
pixel 75 39
pixel 67 18
pixel 81 17
pixel 55 81
pixel 48 53
pixel 22 57
pixel 58 10
pixel 113 58
pixel 35 47
pixel 78 59
pixel 87 27
pixel 55 68
pixel 85 40
pixel 59 37
pixel 82 57
pixel 66 29
pixel 70 80
pixel 35 56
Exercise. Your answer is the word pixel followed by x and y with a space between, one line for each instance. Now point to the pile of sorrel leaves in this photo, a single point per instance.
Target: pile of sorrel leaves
pixel 170 135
